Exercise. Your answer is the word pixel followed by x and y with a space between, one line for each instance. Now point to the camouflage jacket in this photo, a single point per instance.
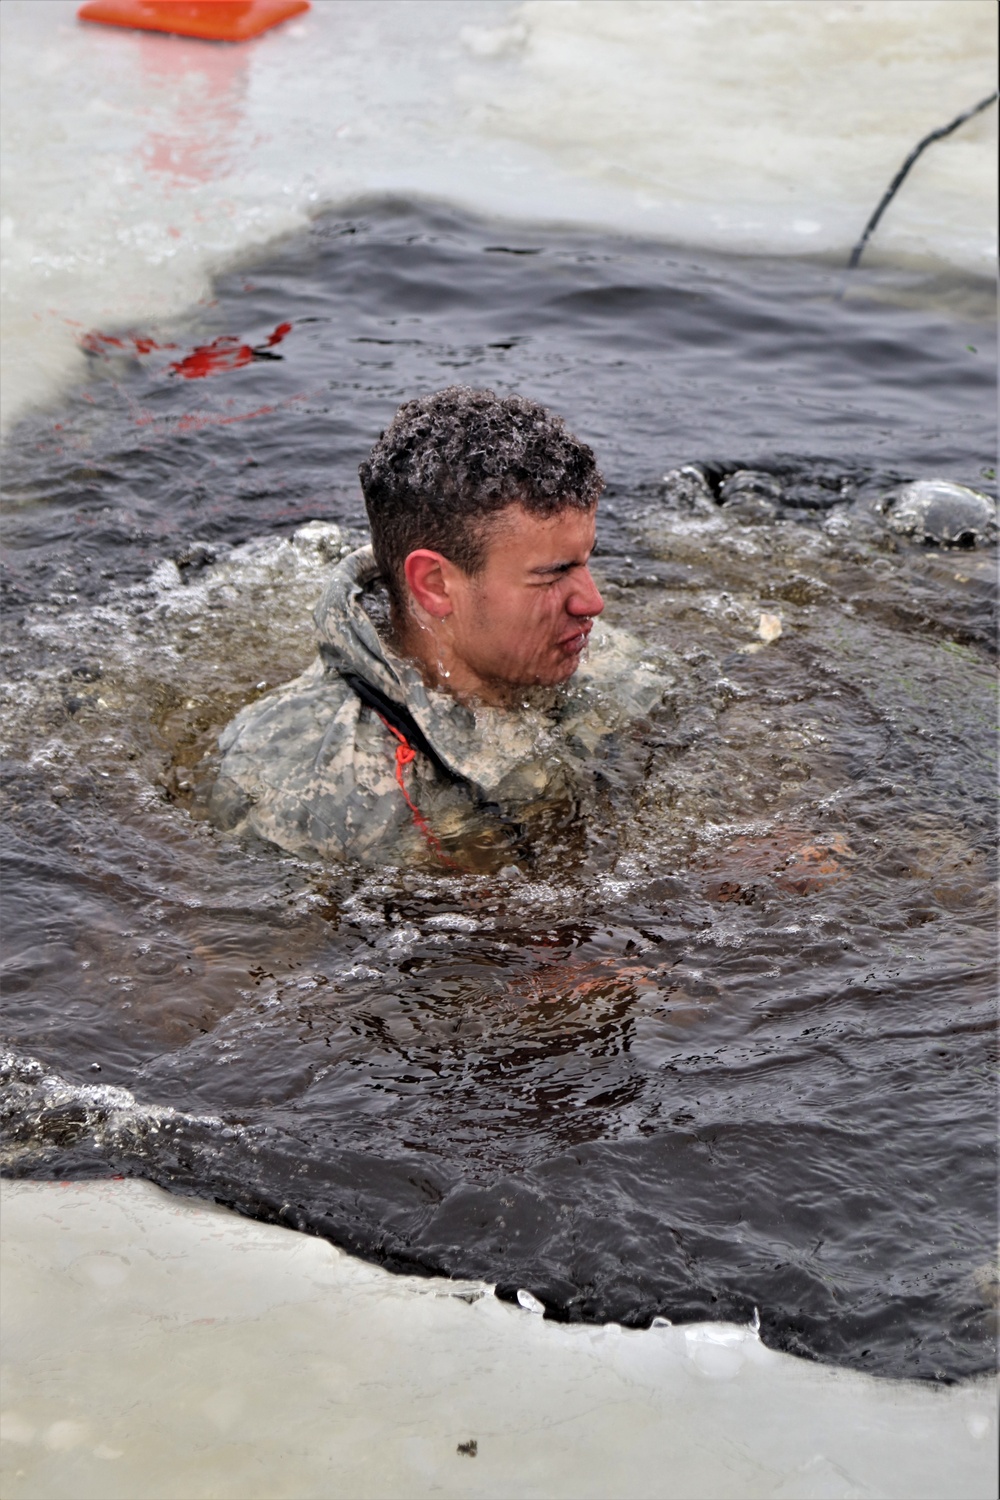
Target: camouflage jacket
pixel 313 768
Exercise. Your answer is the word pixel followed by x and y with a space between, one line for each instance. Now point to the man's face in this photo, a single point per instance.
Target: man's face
pixel 525 617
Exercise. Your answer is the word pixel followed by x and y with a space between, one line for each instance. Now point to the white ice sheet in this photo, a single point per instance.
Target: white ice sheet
pixel 156 1347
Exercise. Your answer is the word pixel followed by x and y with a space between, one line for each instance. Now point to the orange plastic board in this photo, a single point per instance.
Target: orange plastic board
pixel 213 20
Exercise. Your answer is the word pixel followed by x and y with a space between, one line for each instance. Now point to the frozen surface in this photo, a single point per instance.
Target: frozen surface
pixel 161 1348
pixel 135 164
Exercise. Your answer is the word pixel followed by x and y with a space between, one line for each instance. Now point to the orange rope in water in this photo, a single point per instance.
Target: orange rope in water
pixel 405 754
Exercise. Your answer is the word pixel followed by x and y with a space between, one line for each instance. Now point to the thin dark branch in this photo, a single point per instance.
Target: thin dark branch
pixel 897 181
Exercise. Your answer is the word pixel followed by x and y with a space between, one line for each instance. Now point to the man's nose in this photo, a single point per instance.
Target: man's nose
pixel 585 599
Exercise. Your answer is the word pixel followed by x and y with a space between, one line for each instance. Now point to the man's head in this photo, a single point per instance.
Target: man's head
pixel 482 514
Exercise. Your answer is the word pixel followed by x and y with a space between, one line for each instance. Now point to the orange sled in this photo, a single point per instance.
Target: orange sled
pixel 213 20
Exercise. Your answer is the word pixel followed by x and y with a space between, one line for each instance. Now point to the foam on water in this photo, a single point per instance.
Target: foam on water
pixel 110 1117
pixel 135 164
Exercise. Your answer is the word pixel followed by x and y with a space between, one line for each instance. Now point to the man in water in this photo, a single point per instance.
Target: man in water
pixel 437 714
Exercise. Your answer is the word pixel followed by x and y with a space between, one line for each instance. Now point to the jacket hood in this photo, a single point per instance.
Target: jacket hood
pixel 350 641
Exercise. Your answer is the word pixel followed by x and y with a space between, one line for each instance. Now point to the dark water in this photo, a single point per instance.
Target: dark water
pixel 729 1050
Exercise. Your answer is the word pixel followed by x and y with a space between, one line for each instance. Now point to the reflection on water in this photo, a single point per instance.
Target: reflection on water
pixel 724 1043
pixel 195 94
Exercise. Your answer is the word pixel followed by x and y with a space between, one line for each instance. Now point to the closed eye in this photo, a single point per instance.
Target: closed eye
pixel 558 570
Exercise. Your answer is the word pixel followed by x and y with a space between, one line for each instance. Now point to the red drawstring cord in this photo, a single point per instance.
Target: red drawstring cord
pixel 405 753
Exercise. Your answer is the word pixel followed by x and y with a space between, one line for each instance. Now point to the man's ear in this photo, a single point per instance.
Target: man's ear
pixel 428 575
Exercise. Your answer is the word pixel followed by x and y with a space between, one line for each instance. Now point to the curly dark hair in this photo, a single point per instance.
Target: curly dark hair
pixel 449 462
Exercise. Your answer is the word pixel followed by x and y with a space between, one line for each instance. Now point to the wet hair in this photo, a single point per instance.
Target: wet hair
pixel 448 463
